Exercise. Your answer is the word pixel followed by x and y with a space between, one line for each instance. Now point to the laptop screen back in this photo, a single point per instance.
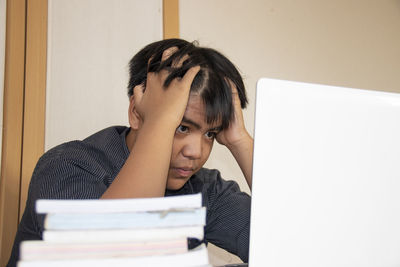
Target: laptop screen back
pixel 326 176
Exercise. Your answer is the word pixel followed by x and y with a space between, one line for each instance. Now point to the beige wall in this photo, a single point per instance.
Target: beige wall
pixel 90 43
pixel 352 43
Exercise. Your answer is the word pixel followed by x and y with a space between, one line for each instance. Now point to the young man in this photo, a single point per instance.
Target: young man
pixel 182 97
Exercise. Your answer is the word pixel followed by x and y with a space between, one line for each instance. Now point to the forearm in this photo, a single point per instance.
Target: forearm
pixel 145 172
pixel 243 153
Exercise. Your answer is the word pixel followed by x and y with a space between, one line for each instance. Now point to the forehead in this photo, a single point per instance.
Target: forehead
pixel 196 112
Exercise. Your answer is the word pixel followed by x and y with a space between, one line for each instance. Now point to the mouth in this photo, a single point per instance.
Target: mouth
pixel 182 172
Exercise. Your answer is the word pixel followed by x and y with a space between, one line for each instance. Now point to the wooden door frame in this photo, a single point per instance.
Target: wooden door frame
pixel 170 19
pixel 14 82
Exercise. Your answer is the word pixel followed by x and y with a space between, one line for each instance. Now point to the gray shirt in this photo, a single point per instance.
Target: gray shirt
pixel 84 170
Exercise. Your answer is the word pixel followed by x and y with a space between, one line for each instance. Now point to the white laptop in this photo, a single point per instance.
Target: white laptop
pixel 326 176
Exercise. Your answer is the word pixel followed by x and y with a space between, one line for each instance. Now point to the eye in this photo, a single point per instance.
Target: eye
pixel 211 135
pixel 182 129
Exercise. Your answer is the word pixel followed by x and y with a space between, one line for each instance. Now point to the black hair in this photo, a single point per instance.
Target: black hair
pixel 212 82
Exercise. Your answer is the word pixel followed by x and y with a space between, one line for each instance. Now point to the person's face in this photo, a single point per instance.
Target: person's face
pixel 192 145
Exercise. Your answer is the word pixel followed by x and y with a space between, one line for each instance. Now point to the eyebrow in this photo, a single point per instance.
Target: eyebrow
pixel 198 127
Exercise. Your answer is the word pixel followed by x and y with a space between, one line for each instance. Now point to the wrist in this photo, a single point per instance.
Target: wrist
pixel 163 122
pixel 244 141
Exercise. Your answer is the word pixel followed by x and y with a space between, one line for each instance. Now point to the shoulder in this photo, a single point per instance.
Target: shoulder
pixel 214 188
pixel 101 140
pixel 211 179
pixel 80 169
pixel 92 161
pixel 105 142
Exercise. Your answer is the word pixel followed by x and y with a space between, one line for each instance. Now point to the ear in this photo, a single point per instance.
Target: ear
pixel 134 118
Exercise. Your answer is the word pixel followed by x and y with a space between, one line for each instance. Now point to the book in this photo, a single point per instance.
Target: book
pixel 123 232
pixel 81 221
pixel 120 235
pixel 39 250
pixel 197 257
pixel 118 205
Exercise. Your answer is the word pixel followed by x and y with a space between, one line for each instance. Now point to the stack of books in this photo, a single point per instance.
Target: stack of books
pixel 121 232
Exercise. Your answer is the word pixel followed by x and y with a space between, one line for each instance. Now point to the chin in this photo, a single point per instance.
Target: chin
pixel 175 184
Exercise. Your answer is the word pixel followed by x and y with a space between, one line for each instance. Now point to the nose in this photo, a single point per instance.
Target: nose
pixel 193 147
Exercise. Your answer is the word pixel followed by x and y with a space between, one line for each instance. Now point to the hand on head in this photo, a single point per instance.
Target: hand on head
pixel 159 103
pixel 236 132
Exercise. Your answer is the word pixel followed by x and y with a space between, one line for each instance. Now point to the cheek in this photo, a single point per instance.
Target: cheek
pixel 206 151
pixel 176 148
